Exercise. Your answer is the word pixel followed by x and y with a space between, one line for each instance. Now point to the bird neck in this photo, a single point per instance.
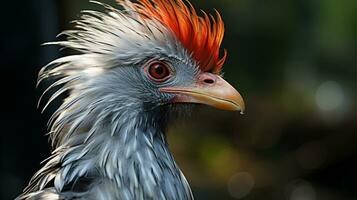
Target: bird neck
pixel 128 154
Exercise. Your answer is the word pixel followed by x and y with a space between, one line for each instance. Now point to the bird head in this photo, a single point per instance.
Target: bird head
pixel 153 54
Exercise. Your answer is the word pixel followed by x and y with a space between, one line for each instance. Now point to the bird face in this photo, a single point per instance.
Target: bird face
pixel 168 80
pixel 177 84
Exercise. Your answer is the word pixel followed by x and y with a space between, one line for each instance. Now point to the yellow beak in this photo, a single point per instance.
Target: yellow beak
pixel 211 90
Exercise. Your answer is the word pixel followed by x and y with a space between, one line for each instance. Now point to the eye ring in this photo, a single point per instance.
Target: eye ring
pixel 158 71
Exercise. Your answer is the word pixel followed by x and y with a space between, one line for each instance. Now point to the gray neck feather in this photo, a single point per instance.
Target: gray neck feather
pixel 125 155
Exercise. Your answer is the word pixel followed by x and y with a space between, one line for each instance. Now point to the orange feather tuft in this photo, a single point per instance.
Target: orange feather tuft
pixel 200 35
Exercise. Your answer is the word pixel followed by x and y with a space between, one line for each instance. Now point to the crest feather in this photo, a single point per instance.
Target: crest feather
pixel 200 35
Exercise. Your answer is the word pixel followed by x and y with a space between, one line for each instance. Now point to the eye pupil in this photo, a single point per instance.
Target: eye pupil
pixel 159 72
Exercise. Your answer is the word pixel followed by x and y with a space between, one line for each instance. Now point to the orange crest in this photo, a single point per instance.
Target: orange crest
pixel 201 36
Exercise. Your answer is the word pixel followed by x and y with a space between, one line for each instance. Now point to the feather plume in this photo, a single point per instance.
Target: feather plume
pixel 200 35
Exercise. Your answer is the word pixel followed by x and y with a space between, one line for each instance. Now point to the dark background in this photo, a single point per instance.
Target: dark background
pixel 295 63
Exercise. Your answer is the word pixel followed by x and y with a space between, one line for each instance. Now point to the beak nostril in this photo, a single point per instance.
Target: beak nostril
pixel 208 81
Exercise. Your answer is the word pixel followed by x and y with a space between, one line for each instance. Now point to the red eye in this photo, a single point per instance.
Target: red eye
pixel 159 71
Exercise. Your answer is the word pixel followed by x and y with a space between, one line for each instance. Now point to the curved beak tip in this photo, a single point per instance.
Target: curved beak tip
pixel 242 107
pixel 242 111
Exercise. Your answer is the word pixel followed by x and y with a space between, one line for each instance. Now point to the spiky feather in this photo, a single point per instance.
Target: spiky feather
pixel 201 36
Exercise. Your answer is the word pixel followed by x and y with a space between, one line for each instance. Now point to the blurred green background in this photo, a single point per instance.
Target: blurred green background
pixel 295 63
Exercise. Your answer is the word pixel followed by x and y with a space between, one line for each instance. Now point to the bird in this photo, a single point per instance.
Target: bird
pixel 132 70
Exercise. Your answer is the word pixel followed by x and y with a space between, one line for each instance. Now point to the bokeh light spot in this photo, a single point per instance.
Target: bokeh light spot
pixel 330 96
pixel 240 185
pixel 301 190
